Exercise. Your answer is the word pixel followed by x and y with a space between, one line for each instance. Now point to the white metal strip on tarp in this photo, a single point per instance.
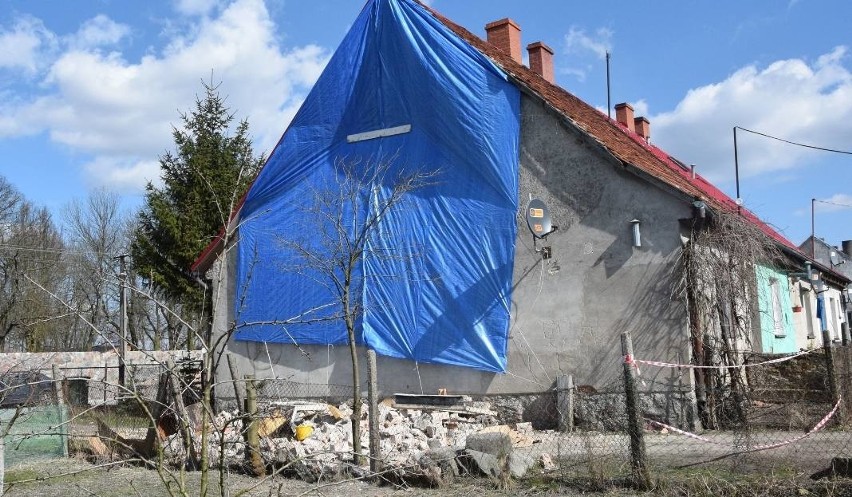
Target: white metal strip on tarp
pixel 379 133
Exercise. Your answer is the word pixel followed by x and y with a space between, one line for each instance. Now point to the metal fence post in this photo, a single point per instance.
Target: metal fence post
pixel 638 457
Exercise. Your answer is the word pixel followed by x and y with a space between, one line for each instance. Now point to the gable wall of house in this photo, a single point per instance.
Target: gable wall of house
pixel 569 311
pixel 573 309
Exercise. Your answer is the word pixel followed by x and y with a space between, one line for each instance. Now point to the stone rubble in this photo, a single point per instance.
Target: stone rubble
pixel 428 445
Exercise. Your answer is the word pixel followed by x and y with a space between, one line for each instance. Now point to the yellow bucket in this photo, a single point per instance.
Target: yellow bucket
pixel 304 431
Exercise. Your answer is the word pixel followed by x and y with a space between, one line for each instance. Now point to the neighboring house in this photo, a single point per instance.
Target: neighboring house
pixel 837 298
pixel 806 323
pixel 484 311
pixel 776 312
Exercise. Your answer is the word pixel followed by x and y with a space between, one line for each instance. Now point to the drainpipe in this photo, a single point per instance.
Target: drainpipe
pixel 847 305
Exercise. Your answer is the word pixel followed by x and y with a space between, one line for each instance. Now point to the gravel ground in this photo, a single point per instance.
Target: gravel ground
pixel 77 478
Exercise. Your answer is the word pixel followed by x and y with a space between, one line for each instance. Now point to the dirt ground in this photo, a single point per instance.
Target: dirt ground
pixel 77 478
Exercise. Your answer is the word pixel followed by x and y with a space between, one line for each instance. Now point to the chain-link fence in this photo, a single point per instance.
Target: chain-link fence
pixel 32 423
pixel 784 415
pixel 776 415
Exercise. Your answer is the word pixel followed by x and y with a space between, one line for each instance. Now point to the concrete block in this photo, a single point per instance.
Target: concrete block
pixel 495 443
pixel 519 464
pixel 482 462
pixel 546 462
pixel 444 458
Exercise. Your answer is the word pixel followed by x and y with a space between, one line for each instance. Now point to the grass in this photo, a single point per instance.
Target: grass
pixel 730 481
pixel 16 475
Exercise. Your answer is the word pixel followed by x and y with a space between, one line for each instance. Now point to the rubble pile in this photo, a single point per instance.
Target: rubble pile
pixel 429 444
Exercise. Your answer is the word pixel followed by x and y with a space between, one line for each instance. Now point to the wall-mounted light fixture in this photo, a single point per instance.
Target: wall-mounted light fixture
pixel 818 283
pixel 700 208
pixel 637 235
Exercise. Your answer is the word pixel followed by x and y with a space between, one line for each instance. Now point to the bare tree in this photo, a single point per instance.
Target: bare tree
pixel 718 280
pixel 30 245
pixel 96 234
pixel 346 217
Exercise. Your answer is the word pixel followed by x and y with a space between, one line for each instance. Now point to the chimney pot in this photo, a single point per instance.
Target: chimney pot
pixel 643 128
pixel 541 60
pixel 847 247
pixel 505 34
pixel 624 115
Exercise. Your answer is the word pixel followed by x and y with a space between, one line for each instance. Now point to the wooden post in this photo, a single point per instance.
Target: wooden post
pixel 638 457
pixel 183 416
pixel 152 436
pixel 565 402
pixel 373 412
pixel 2 463
pixel 60 407
pixel 253 456
pixel 57 385
pixel 831 372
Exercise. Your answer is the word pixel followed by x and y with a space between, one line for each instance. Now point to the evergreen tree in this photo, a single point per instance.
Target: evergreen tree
pixel 202 180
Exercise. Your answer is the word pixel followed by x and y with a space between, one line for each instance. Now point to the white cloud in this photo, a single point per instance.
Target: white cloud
pixel 121 174
pixel 97 32
pixel 21 47
pixel 834 203
pixel 578 42
pixel 195 7
pixel 640 107
pixel 793 99
pixel 121 112
pixel 598 43
pixel 578 73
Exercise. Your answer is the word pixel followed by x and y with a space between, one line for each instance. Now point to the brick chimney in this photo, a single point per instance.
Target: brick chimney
pixel 505 34
pixel 643 128
pixel 624 115
pixel 541 60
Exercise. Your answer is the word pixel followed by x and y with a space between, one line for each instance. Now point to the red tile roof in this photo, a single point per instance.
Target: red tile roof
pixel 624 144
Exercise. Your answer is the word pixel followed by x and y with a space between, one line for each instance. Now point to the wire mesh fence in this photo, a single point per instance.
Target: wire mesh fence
pixel 785 415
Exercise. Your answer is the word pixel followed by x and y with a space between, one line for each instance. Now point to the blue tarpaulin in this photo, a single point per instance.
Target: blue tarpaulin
pixel 435 284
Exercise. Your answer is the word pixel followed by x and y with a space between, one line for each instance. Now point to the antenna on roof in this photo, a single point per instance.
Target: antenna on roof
pixel 608 99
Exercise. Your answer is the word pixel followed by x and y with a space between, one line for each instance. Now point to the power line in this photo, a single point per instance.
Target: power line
pixel 54 250
pixel 832 203
pixel 796 143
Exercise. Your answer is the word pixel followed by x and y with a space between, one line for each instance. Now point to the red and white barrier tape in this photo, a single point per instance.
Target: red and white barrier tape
pixel 628 359
pixel 632 360
pixel 679 431
pixel 817 427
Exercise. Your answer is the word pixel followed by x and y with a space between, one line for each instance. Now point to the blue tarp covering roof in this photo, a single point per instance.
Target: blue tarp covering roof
pixel 435 284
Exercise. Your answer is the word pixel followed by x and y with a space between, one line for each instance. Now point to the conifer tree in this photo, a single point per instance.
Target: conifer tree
pixel 202 180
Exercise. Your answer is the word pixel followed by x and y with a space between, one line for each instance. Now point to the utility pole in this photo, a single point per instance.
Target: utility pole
pixel 608 100
pixel 122 320
pixel 739 199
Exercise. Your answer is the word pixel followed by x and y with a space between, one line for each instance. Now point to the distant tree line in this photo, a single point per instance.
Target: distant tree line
pixel 59 278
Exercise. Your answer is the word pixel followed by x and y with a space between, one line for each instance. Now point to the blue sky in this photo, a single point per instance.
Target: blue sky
pixel 89 89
